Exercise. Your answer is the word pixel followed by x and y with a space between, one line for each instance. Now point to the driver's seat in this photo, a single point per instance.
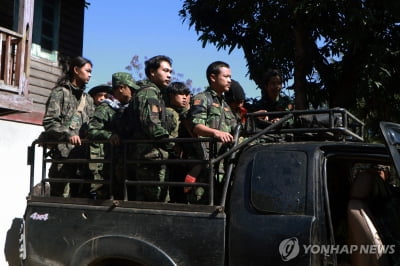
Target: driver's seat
pixel 361 225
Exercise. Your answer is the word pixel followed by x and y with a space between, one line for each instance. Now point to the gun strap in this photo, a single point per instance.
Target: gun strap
pixel 81 104
pixel 210 101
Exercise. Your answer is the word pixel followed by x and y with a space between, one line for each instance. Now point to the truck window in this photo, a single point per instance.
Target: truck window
pixel 278 182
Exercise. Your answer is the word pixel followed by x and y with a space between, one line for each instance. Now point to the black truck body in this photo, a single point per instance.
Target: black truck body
pixel 282 201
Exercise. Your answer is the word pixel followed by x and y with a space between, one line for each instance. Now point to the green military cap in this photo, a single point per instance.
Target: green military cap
pixel 124 78
pixel 100 88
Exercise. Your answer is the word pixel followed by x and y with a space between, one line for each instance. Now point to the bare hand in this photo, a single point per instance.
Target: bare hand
pixel 264 118
pixel 75 140
pixel 223 136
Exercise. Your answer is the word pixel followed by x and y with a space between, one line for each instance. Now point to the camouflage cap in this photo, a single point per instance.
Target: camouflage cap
pixel 100 88
pixel 124 78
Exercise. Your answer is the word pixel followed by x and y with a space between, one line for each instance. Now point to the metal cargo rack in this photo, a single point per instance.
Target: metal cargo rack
pixel 328 124
pixel 300 125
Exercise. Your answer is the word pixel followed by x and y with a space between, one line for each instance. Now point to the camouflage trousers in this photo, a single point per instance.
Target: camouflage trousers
pixel 153 192
pixel 115 171
pixel 70 171
pixel 152 172
pixel 200 195
pixel 96 152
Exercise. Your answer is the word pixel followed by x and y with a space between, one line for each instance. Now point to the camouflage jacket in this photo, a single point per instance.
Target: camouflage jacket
pixel 150 113
pixel 149 121
pixel 173 122
pixel 212 111
pixel 61 120
pixel 102 125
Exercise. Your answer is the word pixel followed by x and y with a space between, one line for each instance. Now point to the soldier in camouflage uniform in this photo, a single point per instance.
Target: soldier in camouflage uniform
pixel 99 93
pixel 150 123
pixel 106 124
pixel 66 118
pixel 177 106
pixel 271 98
pixel 211 116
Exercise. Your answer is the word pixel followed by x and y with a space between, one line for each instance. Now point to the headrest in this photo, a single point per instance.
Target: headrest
pixel 362 186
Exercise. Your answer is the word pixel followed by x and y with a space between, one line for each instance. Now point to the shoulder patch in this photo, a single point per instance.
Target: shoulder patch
pixel 197 102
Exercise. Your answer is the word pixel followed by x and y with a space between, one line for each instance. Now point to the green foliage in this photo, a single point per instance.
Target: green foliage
pixel 343 53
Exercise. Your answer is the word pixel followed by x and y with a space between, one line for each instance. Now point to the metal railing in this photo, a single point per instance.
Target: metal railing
pixel 128 179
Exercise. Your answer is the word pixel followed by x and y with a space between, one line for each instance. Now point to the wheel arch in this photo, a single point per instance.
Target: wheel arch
pixel 128 248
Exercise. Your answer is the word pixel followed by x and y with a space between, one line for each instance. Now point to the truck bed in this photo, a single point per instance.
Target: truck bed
pixel 71 232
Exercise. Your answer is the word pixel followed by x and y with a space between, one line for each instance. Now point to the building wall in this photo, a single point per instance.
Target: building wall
pixel 71 28
pixel 14 140
pixel 43 77
pixel 19 129
pixel 43 73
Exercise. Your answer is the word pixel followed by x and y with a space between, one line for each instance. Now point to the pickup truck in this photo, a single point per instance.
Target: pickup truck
pixel 310 193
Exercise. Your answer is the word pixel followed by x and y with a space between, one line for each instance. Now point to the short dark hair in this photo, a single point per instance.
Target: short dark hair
pixel 235 93
pixel 269 74
pixel 154 63
pixel 215 68
pixel 177 87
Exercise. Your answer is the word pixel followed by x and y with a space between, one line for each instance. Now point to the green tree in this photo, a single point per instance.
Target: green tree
pixel 337 52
